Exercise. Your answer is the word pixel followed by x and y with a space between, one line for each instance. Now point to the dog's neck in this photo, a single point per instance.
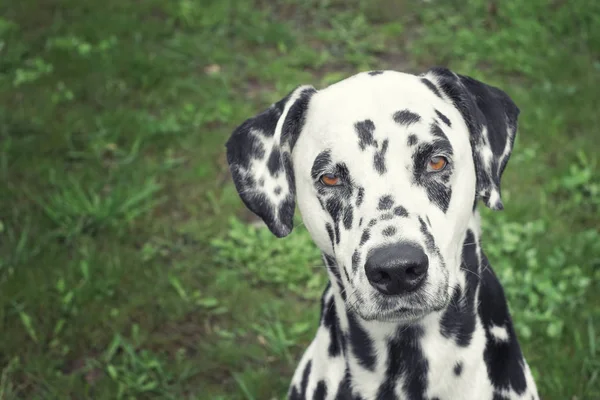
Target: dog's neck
pixel 456 320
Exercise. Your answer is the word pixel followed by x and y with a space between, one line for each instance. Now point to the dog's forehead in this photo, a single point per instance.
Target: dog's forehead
pixel 335 110
pixel 365 96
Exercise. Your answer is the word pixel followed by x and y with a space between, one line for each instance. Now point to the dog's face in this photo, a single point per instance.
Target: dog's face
pixel 386 168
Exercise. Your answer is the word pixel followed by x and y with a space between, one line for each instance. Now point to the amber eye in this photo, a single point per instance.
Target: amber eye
pixel 330 180
pixel 437 163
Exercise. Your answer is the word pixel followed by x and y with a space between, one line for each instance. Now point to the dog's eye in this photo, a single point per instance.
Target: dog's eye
pixel 330 180
pixel 437 164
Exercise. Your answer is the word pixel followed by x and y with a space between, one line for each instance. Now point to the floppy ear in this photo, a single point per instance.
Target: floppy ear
pixel 491 117
pixel 259 158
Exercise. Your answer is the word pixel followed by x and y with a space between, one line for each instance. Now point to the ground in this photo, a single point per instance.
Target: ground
pixel 129 267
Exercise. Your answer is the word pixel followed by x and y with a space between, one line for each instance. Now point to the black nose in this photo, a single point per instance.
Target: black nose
pixel 397 268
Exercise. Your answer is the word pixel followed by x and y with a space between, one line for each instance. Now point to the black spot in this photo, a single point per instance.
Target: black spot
pixel 261 182
pixel 360 196
pixel 365 129
pixel 437 132
pixel 348 217
pixel 320 391
pixel 400 211
pixel 458 368
pixel 360 222
pixel 277 190
pixel 330 233
pixel 385 202
pixel 322 161
pixel 366 235
pixel 412 139
pixel 435 398
pixel 431 87
pixel 372 222
pixel 503 359
pixel 333 268
pixel 439 194
pixel 379 158
pixel 406 360
pixel 331 322
pixel 429 240
pixel 499 396
pixel 336 229
pixel 334 208
pixel 405 117
pixel 386 216
pixel 361 344
pixel 274 163
pixel 355 261
pixel 428 221
pixel 443 118
pixel 389 231
pixel 304 382
pixel 373 73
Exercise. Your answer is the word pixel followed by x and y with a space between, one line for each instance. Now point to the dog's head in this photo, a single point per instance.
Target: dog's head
pixel 386 168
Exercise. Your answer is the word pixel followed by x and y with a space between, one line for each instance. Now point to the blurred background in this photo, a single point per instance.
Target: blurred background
pixel 129 268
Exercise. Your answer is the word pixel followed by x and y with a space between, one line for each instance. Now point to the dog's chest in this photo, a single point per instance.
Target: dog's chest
pixel 426 365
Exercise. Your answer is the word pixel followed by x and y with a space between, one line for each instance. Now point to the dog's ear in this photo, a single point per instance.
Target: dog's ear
pixel 491 117
pixel 259 158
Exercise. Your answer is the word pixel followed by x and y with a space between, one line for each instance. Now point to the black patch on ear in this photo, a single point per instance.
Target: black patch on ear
pixel 503 359
pixel 431 87
pixel 412 139
pixel 400 211
pixel 379 158
pixel 389 231
pixel 274 163
pixel 296 117
pixel 365 130
pixel 458 368
pixel 406 117
pixel 361 344
pixel 483 107
pixel 322 161
pixel 320 391
pixel 443 118
pixel 245 145
pixel 374 73
pixel 385 202
pixel 406 360
pixel 360 196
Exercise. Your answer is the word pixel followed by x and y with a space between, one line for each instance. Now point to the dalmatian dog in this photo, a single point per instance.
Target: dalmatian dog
pixel 386 169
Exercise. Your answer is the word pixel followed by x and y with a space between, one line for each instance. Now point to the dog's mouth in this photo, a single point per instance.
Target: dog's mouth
pixel 399 315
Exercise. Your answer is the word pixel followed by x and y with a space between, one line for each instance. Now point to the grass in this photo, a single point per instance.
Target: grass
pixel 128 266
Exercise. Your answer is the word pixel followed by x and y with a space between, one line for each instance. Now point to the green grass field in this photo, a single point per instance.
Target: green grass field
pixel 129 268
